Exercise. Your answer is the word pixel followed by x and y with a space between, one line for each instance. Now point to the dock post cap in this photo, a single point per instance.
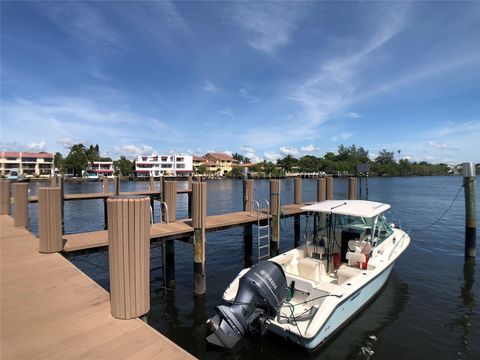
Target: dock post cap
pixel 468 169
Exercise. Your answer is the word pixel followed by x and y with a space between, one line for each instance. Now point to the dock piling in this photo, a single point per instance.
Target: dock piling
pixel 352 188
pixel 297 195
pixel 470 185
pixel 275 213
pixel 152 183
pixel 116 185
pixel 129 255
pixel 199 221
pixel 105 185
pixel 170 198
pixel 20 204
pixel 50 220
pixel 329 187
pixel 4 196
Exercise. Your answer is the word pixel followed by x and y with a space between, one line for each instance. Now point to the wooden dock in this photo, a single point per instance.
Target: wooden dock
pixel 174 230
pixel 97 196
pixel 51 310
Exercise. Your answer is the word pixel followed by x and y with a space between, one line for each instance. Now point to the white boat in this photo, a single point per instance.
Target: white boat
pixel 309 293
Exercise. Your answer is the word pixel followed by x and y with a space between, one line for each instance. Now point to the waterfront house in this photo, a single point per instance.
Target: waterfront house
pixel 100 169
pixel 27 164
pixel 223 163
pixel 163 165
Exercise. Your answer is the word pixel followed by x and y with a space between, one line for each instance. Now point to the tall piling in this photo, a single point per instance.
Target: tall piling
pixel 329 187
pixel 275 212
pixel 105 185
pixel 152 183
pixel 129 255
pixel 199 221
pixel 116 187
pixel 321 189
pixel 4 196
pixel 50 220
pixel 189 195
pixel 170 198
pixel 352 188
pixel 20 204
pixel 470 185
pixel 247 228
pixel 297 196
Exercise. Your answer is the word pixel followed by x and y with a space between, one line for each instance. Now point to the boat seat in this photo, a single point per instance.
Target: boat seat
pixel 345 272
pixel 309 269
pixel 355 258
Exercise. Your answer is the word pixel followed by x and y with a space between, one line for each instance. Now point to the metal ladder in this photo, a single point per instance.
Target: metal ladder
pixel 261 237
pixel 164 204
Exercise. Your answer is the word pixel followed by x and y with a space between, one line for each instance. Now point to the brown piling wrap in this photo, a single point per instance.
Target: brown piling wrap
pixel 116 185
pixel 20 204
pixel 329 188
pixel 297 191
pixel 105 185
pixel 4 197
pixel 170 198
pixel 352 188
pixel 152 183
pixel 53 181
pixel 321 189
pixel 129 255
pixel 50 220
pixel 199 221
pixel 247 195
pixel 275 212
pixel 189 182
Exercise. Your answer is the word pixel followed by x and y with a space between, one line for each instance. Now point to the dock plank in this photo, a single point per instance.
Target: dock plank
pixel 51 310
pixel 97 196
pixel 180 228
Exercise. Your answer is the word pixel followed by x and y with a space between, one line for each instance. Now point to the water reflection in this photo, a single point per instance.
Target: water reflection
pixel 468 299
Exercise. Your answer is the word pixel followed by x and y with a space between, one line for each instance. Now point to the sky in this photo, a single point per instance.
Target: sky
pixel 264 79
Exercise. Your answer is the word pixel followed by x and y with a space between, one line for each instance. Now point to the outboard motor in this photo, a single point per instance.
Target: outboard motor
pixel 261 292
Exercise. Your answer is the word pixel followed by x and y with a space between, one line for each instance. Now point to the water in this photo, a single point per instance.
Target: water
pixel 428 308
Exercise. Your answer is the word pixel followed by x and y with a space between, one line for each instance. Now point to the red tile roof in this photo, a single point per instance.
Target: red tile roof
pixel 219 156
pixel 26 154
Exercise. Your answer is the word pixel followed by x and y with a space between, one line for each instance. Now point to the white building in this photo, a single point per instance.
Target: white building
pixel 100 169
pixel 164 165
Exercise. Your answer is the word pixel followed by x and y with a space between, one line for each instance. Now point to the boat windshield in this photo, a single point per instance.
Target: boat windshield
pixel 356 227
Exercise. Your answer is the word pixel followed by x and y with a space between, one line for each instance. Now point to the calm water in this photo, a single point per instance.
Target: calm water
pixel 428 309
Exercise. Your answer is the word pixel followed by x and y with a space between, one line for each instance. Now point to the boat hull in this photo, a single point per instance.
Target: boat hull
pixel 342 313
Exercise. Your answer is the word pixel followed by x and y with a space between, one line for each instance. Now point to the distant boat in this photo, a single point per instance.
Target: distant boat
pixel 309 293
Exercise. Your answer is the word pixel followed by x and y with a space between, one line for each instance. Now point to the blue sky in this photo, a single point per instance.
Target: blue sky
pixel 265 79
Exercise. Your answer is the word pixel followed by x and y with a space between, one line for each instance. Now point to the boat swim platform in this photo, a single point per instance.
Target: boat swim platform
pixel 51 310
pixel 99 196
pixel 175 230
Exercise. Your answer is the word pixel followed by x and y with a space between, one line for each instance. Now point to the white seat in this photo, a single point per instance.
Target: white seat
pixel 354 258
pixel 309 269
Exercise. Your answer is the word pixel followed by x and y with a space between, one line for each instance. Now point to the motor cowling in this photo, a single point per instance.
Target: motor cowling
pixel 261 292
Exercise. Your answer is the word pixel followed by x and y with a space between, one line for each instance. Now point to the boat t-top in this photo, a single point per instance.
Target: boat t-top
pixel 309 293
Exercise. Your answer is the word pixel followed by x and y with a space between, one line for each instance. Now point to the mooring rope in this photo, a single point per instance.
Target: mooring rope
pixel 445 212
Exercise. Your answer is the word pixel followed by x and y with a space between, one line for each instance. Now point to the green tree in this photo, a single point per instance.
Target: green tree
pixel 58 162
pixel 237 171
pixel 76 161
pixel 385 157
pixel 287 163
pixel 123 166
pixel 201 170
pixel 239 157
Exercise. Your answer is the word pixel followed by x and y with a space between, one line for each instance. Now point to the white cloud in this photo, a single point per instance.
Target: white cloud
pixel 341 137
pixel 353 115
pixel 209 86
pixel 246 94
pixel 439 146
pixel 272 156
pixel 285 150
pixel 270 24
pixel 247 148
pixel 309 149
pixel 40 146
pixel 171 14
pixel 132 151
